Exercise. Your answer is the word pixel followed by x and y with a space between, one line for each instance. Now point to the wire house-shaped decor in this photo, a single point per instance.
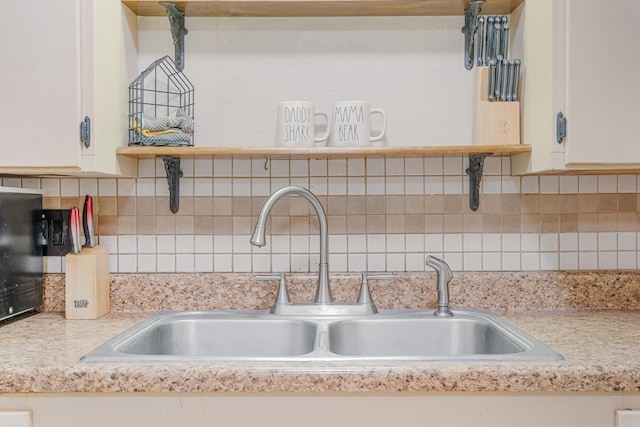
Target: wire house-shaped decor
pixel 161 106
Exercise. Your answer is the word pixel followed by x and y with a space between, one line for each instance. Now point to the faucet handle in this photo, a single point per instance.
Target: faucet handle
pixel 364 297
pixel 283 294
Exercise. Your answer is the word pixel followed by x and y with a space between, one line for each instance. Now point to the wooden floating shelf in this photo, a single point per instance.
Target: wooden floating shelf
pixel 269 8
pixel 322 152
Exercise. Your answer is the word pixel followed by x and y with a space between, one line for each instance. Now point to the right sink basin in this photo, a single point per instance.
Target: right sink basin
pixel 468 335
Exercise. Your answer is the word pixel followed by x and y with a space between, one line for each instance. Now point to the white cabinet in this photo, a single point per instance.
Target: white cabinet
pixel 579 58
pixel 62 61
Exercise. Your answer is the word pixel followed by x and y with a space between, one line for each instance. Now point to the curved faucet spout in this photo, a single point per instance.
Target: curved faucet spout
pixel 323 292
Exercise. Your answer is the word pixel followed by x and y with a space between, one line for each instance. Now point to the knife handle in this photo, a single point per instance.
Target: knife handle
pixel 74 230
pixel 87 222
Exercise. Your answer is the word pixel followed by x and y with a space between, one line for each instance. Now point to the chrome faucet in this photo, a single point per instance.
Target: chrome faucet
pixel 444 276
pixel 323 292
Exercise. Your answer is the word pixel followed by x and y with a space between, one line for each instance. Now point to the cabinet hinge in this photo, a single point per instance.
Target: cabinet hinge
pixel 85 132
pixel 561 127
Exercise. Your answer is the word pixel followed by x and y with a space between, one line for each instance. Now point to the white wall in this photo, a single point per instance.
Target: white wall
pixel 412 67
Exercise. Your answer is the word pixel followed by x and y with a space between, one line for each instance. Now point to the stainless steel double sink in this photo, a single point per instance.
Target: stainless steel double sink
pixel 258 337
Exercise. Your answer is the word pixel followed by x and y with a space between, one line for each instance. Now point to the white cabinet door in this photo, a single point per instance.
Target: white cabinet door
pixel 40 75
pixel 602 84
pixel 61 61
pixel 580 58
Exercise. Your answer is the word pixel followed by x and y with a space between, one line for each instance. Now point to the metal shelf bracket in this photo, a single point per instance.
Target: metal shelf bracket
pixel 476 164
pixel 469 31
pixel 178 31
pixel 172 168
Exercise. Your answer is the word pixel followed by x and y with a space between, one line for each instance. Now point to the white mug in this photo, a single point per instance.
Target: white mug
pixel 352 124
pixel 297 126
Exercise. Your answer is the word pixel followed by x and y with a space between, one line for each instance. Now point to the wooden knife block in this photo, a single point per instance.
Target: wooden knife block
pixel 494 123
pixel 87 283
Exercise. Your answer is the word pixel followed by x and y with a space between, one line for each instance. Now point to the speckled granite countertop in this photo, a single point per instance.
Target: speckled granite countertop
pixel 41 353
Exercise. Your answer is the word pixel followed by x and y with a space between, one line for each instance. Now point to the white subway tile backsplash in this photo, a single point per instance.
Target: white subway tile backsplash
pixel 356 167
pixel 627 241
pixel 242 263
pixel 394 166
pixel 375 167
pixel 145 187
pixel 337 185
pixel 223 167
pixel 511 261
pixel 337 167
pixel 549 184
pixel 147 245
pixel 356 243
pixel 186 187
pixel 376 243
pixel 107 187
pixel 166 263
pixel 127 187
pixel 86 186
pixel 607 241
pixel 128 263
pixel 300 263
pixel 491 261
pixel 413 166
pixel 127 245
pixel 627 184
pixel 395 262
pixel 454 166
pixel 223 263
pixel 279 168
pixel 240 187
pixel 414 185
pixel 530 185
pixel 588 184
pixel 434 166
pixel 147 263
pixel 299 167
pixel 203 263
pixel 376 186
pixel 203 187
pixel 607 184
pixel 185 263
pixel 568 184
pixel 453 184
pixel 356 186
pixel 357 262
pixel 202 167
pixel 472 261
pixel 588 260
pixel 184 244
pixel 549 261
pixel 627 260
pixel 530 261
pixel 607 260
pixel 568 261
pixel 187 167
pixel 452 243
pixel 261 263
pixel 162 189
pixel 241 167
pixel 50 187
pixel 434 185
pixel 588 241
pixel 166 244
pixel 395 185
pixel 491 242
pixel 318 185
pixel 318 167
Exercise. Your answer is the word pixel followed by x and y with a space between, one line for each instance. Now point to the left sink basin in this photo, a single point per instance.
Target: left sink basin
pixel 191 336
